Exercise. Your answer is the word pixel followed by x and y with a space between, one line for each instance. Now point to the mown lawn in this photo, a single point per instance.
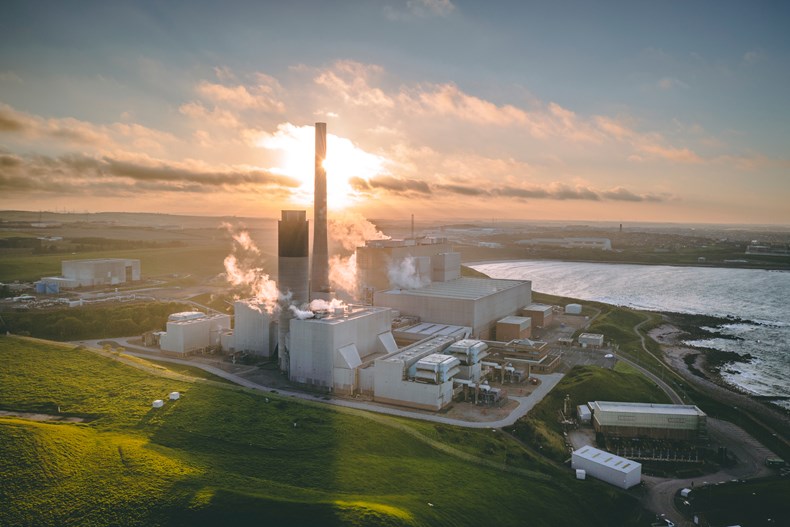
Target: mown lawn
pixel 230 456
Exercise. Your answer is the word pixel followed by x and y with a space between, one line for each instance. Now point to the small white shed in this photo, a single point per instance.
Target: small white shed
pixel 159 403
pixel 613 469
pixel 573 309
pixel 174 396
pixel 584 413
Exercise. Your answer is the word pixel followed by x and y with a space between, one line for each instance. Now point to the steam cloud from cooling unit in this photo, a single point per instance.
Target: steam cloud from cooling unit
pixel 242 266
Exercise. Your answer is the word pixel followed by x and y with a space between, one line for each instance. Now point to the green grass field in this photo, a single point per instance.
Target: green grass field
pixel 582 384
pixel 226 455
pixel 202 261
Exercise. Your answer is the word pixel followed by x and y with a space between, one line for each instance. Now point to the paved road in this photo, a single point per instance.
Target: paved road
pixel 750 453
pixel 525 404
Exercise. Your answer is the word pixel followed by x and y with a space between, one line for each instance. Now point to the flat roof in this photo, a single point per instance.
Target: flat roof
pixel 648 408
pixel 513 319
pixel 604 458
pixel 420 349
pixel 537 307
pixel 354 313
pixel 429 328
pixel 464 288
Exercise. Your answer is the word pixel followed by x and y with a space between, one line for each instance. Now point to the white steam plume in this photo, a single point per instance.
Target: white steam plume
pixel 403 274
pixel 240 271
pixel 348 231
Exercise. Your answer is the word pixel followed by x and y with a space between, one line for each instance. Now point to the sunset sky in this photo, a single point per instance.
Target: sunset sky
pixel 646 111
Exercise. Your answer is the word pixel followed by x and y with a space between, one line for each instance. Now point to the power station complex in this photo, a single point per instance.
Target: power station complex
pixel 417 334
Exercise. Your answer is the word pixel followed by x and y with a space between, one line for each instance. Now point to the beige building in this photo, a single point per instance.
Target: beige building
pixel 657 421
pixel 513 328
pixel 477 303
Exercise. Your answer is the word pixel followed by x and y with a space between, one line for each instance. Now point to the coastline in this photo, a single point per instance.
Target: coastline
pixel 781 268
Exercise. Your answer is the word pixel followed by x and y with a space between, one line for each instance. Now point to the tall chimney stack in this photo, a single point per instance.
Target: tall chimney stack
pixel 320 274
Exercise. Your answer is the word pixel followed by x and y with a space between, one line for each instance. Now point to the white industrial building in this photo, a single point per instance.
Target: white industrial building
pixel 89 273
pixel 253 330
pixel 419 376
pixel 603 244
pixel 616 470
pixel 474 302
pixel 192 331
pixel 377 258
pixel 590 340
pixel 658 421
pixel 327 350
pixel 573 309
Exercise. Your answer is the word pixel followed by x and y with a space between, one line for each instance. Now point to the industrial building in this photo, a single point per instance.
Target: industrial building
pixel 418 376
pixel 192 331
pixel 573 309
pixel 603 244
pixel 647 420
pixel 293 272
pixel 513 328
pixel 377 257
pixel 252 329
pixel 91 273
pixel 474 302
pixel 328 349
pixel 541 314
pixel 590 340
pixel 525 355
pixel 615 470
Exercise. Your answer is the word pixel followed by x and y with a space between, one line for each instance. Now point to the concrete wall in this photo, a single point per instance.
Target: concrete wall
pixel 192 335
pixel 314 342
pixel 390 387
pixel 252 328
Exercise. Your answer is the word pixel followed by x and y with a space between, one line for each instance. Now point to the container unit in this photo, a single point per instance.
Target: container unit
pixel 612 469
pixel 436 368
pixel 584 413
pixel 573 309
pixel 470 353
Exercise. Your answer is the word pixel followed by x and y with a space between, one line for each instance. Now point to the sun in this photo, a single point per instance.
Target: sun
pixel 344 162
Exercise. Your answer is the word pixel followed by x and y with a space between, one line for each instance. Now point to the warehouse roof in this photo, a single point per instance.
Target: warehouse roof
pixel 647 408
pixel 606 459
pixel 463 288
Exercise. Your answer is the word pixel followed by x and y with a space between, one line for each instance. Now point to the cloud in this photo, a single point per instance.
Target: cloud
pixel 417 189
pixel 394 185
pixel 668 83
pixel 77 174
pixel 351 81
pixel 75 131
pixel 419 9
pixel 449 100
pixel 258 97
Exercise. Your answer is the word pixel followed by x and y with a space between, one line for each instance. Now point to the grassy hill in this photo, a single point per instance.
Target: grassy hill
pixel 227 455
pixel 582 384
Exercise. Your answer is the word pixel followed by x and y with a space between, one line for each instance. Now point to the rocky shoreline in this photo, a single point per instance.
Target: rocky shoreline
pixel 695 368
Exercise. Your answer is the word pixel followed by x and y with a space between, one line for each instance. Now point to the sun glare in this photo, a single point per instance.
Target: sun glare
pixel 344 161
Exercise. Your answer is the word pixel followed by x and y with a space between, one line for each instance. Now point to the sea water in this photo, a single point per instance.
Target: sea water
pixel 760 299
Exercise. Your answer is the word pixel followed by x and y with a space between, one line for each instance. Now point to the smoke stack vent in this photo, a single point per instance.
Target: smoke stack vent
pixel 320 271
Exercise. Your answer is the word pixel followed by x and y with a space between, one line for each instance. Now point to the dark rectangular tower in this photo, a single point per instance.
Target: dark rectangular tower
pixel 293 273
pixel 320 274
